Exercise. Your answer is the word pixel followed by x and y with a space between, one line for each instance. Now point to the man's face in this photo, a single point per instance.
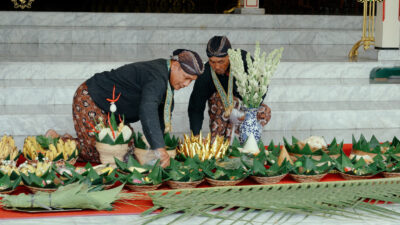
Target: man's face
pixel 219 64
pixel 179 78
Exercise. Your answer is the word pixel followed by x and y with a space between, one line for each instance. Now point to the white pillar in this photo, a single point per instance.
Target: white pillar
pixel 387 25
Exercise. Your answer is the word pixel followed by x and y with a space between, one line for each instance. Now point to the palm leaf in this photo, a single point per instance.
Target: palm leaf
pixel 349 199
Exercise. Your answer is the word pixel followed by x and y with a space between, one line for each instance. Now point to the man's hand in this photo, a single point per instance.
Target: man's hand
pixel 236 116
pixel 164 157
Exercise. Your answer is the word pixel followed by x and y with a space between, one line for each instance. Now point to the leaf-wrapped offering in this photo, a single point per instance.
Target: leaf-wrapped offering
pixel 9 177
pixel 270 173
pixel 43 148
pixel 391 165
pixel 306 169
pixel 356 168
pixel 41 176
pixel 186 174
pixel 367 149
pixel 100 176
pixel 130 166
pixel 8 150
pixel 203 148
pixel 72 196
pixel 137 181
pixel 314 147
pixel 227 172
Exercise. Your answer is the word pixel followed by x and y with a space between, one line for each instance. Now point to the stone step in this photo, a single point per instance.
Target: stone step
pixel 84 70
pixel 138 52
pixel 286 117
pixel 49 92
pixel 168 35
pixel 199 21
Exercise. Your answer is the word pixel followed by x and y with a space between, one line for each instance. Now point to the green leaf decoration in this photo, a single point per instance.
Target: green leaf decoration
pixel 171 142
pixel 184 171
pixel 230 169
pixel 234 148
pixel 138 141
pixel 373 146
pixel 120 139
pixel 108 140
pixel 46 141
pixel 343 163
pixel 113 122
pixel 395 141
pixel 340 199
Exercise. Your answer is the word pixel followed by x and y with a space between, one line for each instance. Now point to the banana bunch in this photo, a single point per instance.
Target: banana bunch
pixel 8 150
pixel 32 148
pixel 38 168
pixel 62 151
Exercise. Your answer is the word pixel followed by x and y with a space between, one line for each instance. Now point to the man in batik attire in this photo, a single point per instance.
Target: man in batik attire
pixel 146 90
pixel 218 86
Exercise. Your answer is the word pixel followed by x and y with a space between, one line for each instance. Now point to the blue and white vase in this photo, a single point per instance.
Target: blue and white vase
pixel 250 125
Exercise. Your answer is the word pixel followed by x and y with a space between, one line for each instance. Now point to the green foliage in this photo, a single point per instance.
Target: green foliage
pixel 357 166
pixel 171 142
pixel 305 165
pixel 7 184
pixel 46 141
pixel 153 178
pixel 187 171
pixel 226 169
pixel 372 146
pixel 138 141
pixel 130 165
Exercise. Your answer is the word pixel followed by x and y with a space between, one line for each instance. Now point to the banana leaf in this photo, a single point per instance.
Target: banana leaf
pixel 46 141
pixel 395 141
pixel 130 165
pixel 187 171
pixel 94 178
pixel 171 142
pixel 153 178
pixel 138 141
pixel 70 196
pixel 373 146
pixel 7 184
pixel 234 148
pixel 230 169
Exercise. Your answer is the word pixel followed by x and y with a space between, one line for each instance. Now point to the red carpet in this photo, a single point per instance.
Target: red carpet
pixel 139 206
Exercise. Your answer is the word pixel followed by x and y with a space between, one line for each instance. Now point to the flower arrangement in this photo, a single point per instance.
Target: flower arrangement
pixel 108 131
pixel 253 85
pixel 9 176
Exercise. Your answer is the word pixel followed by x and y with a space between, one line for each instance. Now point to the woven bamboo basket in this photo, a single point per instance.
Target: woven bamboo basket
pixel 354 177
pixel 142 155
pixel 390 174
pixel 268 180
pixel 307 178
pixel 142 188
pixel 108 152
pixel 36 189
pixel 178 184
pixel 214 183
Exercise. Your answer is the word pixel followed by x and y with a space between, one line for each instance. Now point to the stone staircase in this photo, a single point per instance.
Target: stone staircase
pixel 315 91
